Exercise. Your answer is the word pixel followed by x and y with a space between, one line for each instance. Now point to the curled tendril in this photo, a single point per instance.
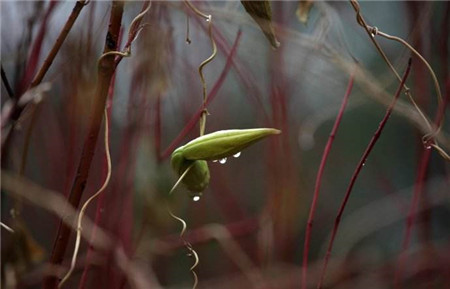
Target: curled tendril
pixel 188 245
pixel 190 162
pixel 86 204
pixel 208 18
pixel 429 138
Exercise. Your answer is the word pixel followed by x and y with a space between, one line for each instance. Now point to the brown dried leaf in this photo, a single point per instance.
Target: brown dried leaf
pixel 22 251
pixel 262 14
pixel 304 6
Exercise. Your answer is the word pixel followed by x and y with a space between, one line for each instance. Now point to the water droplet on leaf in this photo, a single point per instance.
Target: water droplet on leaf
pixel 222 161
pixel 214 161
pixel 195 196
pixel 237 155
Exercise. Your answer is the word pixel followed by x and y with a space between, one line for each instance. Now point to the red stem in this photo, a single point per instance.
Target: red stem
pixel 36 51
pixel 281 203
pixel 8 87
pixel 325 154
pixel 417 194
pixel 157 127
pixel 31 66
pixel 424 161
pixel 355 175
pixel 101 198
pixel 225 199
pixel 105 72
pixel 246 78
pixel 133 33
pixel 58 43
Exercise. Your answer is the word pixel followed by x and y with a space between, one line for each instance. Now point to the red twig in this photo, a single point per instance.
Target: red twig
pixel 35 51
pixel 106 69
pixel 325 154
pixel 212 94
pixel 418 190
pixel 424 160
pixel 355 175
pixel 133 32
pixel 101 197
pixel 31 66
pixel 245 76
pixel 157 126
pixel 58 43
pixel 5 81
pixel 225 199
pixel 282 189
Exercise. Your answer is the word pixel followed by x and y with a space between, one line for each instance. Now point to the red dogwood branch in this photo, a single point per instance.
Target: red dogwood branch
pixel 355 175
pixel 106 68
pixel 325 154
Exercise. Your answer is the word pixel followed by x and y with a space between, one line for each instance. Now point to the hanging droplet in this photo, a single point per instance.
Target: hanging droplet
pixel 208 19
pixel 214 161
pixel 427 144
pixel 195 196
pixel 222 161
pixel 237 155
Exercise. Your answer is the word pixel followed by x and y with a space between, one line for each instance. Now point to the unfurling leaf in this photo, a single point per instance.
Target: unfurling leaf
pixel 262 14
pixel 213 146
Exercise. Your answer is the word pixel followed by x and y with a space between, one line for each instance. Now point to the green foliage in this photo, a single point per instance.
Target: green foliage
pixel 213 146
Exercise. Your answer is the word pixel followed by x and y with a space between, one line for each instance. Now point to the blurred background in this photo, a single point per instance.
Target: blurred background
pixel 249 226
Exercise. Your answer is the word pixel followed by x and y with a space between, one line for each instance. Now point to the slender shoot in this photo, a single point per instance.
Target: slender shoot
pixel 318 183
pixel 358 169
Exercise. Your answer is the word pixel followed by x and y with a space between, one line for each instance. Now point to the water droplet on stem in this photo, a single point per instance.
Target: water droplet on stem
pixel 428 144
